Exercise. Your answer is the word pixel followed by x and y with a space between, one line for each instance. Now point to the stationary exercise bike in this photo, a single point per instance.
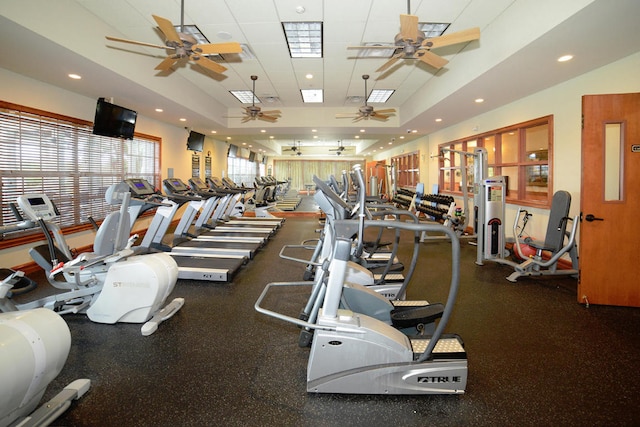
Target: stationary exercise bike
pixel 111 285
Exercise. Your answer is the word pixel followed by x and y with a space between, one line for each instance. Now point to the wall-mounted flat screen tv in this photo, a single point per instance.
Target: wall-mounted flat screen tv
pixel 195 142
pixel 113 120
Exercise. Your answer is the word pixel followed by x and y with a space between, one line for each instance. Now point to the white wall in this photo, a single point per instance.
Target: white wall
pixel 564 102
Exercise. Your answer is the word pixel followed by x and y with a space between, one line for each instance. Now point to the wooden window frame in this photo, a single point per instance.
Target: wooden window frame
pixel 519 196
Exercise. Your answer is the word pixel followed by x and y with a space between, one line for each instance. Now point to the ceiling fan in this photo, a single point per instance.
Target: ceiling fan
pixel 254 112
pixel 366 111
pixel 295 149
pixel 411 43
pixel 340 148
pixel 185 46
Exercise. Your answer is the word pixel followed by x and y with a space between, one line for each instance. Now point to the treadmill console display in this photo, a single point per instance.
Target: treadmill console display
pixel 176 185
pixel 198 183
pixel 139 187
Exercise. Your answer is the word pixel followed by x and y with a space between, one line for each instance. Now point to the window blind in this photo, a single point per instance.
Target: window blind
pixel 42 152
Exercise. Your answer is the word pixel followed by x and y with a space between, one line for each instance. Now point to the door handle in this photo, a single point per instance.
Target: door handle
pixel 591 218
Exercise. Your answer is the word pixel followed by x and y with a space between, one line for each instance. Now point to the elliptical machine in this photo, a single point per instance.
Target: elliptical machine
pixel 110 285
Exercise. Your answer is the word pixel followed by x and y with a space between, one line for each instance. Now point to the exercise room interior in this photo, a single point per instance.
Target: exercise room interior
pixel 319 212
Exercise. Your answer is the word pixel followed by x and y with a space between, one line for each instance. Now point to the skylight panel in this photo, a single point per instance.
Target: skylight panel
pixel 245 96
pixel 312 95
pixel 304 39
pixel 380 95
pixel 433 29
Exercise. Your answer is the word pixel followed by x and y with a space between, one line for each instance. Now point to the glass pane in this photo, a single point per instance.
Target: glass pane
pixel 537 143
pixel 510 174
pixel 509 147
pixel 537 182
pixel 613 161
pixel 489 143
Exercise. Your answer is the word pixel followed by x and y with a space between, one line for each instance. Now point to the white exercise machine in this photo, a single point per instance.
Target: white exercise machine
pixel 34 346
pixel 357 354
pixel 108 287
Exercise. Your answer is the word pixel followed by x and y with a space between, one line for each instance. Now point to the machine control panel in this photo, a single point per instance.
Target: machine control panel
pixel 37 206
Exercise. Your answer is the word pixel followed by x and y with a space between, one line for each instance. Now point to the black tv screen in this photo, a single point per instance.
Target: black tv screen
pixel 195 142
pixel 113 120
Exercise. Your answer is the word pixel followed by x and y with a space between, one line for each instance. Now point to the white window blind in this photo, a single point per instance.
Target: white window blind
pixel 43 152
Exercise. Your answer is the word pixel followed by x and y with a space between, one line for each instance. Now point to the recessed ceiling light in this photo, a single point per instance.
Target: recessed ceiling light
pixel 565 58
pixel 438 119
pixel 479 100
pixel 314 130
pixel 182 119
pixel 362 130
pixel 402 137
pixel 309 76
pixel 74 76
pixel 159 110
pixel 357 137
pixel 214 131
pixel 263 131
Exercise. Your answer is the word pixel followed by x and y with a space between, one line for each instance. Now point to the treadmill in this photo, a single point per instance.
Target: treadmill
pixel 195 266
pixel 175 187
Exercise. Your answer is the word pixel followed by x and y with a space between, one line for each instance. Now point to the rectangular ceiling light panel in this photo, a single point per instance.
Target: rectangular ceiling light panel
pixel 433 29
pixel 380 95
pixel 245 96
pixel 304 39
pixel 312 95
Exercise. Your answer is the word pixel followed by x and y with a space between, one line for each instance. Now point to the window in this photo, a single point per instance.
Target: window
pixel 408 169
pixel 242 171
pixel 520 152
pixel 57 155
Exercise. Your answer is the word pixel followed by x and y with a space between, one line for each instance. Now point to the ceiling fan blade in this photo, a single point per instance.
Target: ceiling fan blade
pixel 409 27
pixel 453 38
pixel 246 119
pixel 385 111
pixel 116 39
pixel 272 112
pixel 430 58
pixel 357 119
pixel 167 63
pixel 208 64
pixel 390 62
pixel 167 29
pixel 377 116
pixel 267 118
pixel 215 48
